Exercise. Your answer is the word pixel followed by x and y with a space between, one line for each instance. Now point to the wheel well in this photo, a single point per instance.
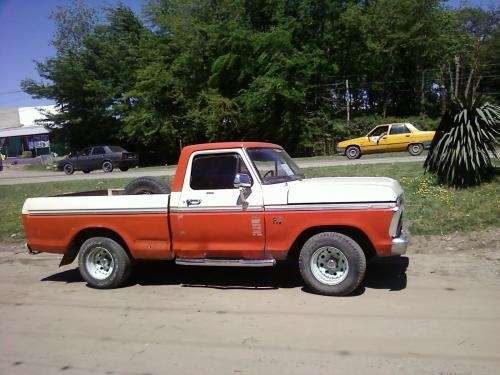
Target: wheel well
pixel 84 235
pixel 356 234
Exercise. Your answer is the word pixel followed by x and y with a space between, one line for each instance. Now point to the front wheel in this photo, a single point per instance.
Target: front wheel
pixel 332 264
pixel 353 152
pixel 103 263
pixel 415 149
pixel 107 166
pixel 68 168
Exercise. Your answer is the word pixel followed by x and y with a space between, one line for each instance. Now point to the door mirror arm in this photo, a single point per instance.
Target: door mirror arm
pixel 243 182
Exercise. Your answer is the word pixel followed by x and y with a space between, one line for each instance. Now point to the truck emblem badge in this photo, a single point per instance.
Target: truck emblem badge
pixel 277 220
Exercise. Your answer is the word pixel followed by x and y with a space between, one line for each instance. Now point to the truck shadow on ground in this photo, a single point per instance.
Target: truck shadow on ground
pixel 382 273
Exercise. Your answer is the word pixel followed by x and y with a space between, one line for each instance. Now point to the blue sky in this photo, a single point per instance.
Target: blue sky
pixel 25 33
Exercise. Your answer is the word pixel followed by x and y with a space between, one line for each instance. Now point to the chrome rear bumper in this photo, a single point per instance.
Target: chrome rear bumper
pixel 399 245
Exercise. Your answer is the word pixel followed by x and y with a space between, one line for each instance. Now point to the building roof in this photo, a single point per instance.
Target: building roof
pixel 23 130
pixel 9 118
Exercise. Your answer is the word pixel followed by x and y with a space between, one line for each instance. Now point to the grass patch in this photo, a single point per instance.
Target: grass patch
pixel 430 209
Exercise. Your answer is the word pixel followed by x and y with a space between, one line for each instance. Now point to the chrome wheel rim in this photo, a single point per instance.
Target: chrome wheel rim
pixel 352 152
pixel 100 263
pixel 415 149
pixel 68 168
pixel 106 166
pixel 329 265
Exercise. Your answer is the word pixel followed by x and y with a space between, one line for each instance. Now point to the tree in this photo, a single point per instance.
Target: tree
pixel 197 70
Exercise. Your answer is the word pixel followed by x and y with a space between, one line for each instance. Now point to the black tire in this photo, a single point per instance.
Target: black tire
pixel 146 185
pixel 121 262
pixel 124 169
pixel 86 171
pixel 107 166
pixel 353 152
pixel 68 168
pixel 337 242
pixel 415 149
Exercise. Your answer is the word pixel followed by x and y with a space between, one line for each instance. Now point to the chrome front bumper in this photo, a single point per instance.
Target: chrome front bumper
pixel 399 245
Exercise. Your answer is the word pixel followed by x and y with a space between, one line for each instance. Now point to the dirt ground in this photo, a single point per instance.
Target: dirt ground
pixel 434 311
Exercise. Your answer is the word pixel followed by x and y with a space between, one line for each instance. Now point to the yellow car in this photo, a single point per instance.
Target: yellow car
pixel 387 138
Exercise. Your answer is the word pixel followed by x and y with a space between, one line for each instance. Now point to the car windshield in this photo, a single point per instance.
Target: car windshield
pixel 274 165
pixel 378 131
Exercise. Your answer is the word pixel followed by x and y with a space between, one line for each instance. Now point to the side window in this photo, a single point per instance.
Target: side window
pixel 98 151
pixel 399 129
pixel 86 152
pixel 215 171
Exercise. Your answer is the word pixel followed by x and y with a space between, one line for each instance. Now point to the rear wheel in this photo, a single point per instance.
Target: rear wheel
pixel 103 263
pixel 68 168
pixel 146 185
pixel 107 166
pixel 332 264
pixel 353 152
pixel 415 149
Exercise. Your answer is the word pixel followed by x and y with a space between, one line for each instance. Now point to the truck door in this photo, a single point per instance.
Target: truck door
pixel 211 219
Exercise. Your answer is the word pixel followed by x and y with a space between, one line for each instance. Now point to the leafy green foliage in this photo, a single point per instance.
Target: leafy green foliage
pixel 195 70
pixel 461 151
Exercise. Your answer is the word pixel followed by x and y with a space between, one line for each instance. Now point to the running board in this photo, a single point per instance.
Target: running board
pixel 227 262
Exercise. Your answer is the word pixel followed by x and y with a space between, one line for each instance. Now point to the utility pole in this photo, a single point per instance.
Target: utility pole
pixel 348 101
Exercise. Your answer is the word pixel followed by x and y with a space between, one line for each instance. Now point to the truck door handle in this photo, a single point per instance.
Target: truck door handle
pixel 193 202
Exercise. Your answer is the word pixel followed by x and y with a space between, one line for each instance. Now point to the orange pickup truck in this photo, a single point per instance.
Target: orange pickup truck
pixel 240 204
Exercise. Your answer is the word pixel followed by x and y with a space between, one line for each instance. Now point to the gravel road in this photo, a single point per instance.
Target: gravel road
pixel 16 176
pixel 433 312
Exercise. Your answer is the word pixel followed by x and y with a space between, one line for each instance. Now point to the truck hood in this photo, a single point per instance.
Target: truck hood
pixel 344 190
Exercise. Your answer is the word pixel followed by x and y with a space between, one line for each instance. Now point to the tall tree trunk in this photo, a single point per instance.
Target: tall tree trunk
pixel 422 93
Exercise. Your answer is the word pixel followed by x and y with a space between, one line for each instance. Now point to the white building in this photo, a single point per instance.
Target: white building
pixel 20 132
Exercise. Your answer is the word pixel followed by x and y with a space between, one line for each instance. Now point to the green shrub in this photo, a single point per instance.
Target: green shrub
pixel 460 153
pixel 27 154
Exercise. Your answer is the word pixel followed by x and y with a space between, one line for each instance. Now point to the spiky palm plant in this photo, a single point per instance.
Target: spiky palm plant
pixel 461 151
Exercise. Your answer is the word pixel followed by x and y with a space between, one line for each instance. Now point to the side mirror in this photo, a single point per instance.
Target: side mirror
pixel 242 180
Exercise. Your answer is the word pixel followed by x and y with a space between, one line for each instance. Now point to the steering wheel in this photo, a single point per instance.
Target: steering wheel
pixel 271 173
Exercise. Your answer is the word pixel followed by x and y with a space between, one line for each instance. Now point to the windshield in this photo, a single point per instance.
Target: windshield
pixel 274 165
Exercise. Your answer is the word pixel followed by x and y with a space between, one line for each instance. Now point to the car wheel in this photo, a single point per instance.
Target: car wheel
pixel 353 152
pixel 124 169
pixel 86 171
pixel 146 185
pixel 107 166
pixel 68 168
pixel 104 263
pixel 332 264
pixel 415 149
